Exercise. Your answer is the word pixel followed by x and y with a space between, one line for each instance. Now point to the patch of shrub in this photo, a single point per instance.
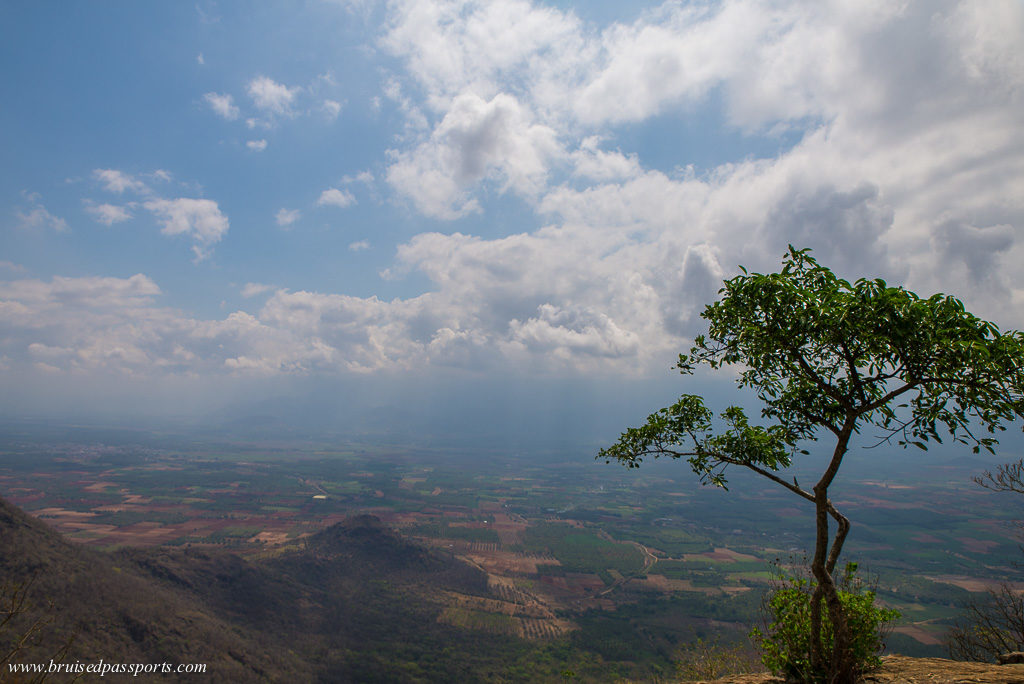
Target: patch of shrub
pixel 786 641
pixel 702 659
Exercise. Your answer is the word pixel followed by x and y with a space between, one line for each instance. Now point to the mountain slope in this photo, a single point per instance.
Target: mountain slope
pixel 116 612
pixel 355 602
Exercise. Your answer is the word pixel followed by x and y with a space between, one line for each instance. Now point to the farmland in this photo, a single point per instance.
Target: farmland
pixel 571 548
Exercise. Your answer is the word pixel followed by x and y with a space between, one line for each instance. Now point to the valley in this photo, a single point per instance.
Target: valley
pixel 624 564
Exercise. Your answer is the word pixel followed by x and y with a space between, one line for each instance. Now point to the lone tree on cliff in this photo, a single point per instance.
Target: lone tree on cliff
pixel 822 353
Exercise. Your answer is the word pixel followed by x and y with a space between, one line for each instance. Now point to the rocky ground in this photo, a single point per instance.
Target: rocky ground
pixel 903 670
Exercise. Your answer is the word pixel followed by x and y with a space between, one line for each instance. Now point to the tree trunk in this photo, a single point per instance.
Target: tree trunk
pixel 839 663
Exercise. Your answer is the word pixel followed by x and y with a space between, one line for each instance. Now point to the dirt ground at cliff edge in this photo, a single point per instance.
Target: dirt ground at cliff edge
pixel 904 670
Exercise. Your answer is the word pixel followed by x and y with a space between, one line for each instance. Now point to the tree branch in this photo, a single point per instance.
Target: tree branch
pixel 888 397
pixel 773 477
pixel 842 528
pixel 816 379
pixel 852 371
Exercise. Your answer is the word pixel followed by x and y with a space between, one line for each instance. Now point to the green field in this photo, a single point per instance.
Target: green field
pixel 914 520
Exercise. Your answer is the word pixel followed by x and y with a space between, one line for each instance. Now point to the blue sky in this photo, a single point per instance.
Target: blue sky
pixel 213 204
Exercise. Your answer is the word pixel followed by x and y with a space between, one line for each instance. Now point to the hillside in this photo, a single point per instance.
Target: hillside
pixel 355 602
pixel 115 611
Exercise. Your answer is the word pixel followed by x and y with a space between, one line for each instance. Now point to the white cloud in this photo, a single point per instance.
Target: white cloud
pixel 286 217
pixel 272 97
pixel 109 214
pixel 333 197
pixel 596 164
pixel 200 60
pixel 906 161
pixel 253 289
pixel 25 303
pixel 87 324
pixel 359 245
pixel 201 219
pixel 464 46
pixel 331 109
pixel 256 145
pixel 907 113
pixel 477 139
pixel 573 335
pixel 118 181
pixel 38 216
pixel 223 105
pixel 362 177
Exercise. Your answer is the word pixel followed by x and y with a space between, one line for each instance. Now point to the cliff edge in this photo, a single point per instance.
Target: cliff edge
pixel 903 670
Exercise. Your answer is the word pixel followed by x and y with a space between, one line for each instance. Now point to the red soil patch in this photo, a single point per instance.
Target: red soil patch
pixel 720 554
pixel 98 486
pixel 977 545
pixel 975 584
pixel 919 634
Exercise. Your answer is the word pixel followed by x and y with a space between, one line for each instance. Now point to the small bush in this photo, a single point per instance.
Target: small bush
pixel 786 643
pixel 710 660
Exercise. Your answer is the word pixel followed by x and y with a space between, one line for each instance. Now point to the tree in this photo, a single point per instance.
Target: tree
pixel 821 353
pixel 994 625
pixel 989 627
pixel 1009 477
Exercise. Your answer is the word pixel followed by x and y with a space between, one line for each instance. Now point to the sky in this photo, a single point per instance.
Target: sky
pixel 463 213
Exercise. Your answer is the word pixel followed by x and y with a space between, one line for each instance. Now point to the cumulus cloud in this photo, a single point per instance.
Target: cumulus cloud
pixel 477 139
pixel 977 250
pixel 96 292
pixel 80 325
pixel 223 105
pixel 272 97
pixel 109 214
pixel 362 177
pixel 905 112
pixel 593 163
pixel 38 216
pixel 359 245
pixel 333 197
pixel 116 324
pixel 286 217
pixel 88 324
pixel 253 289
pixel 200 219
pixel 573 335
pixel 451 48
pixel 907 162
pixel 331 109
pixel 256 145
pixel 72 324
pixel 118 182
